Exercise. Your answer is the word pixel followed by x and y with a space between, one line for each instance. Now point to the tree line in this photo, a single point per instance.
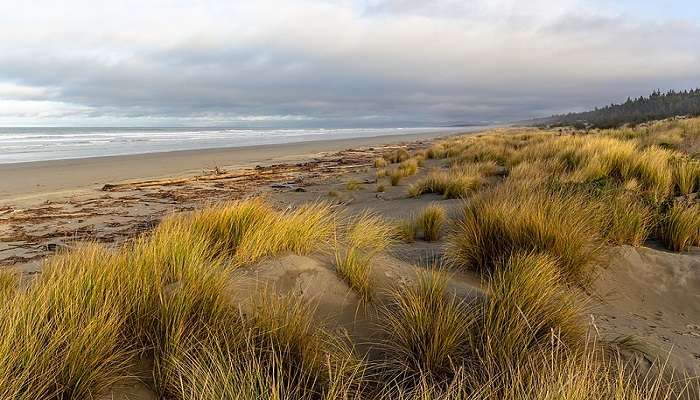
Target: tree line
pixel 656 106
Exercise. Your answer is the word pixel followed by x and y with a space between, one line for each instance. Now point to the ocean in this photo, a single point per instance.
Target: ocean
pixel 42 144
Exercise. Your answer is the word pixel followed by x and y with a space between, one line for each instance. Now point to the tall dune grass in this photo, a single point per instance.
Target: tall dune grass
pixel 455 183
pixel 624 218
pixel 397 156
pixel 9 283
pixel 527 306
pixel 65 336
pixel 274 352
pixel 680 226
pixel 431 221
pixel 526 340
pixel 504 221
pixel 365 236
pixel 242 230
pixel 425 332
pixel 686 176
pixel 76 330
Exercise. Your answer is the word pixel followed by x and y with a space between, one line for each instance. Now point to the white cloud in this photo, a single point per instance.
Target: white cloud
pixel 333 60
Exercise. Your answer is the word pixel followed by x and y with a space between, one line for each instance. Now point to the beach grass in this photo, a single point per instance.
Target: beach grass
pixel 431 221
pixel 397 156
pixel 425 331
pixel 540 209
pixel 506 220
pixel 364 237
pixel 455 183
pixel 680 226
pixel 407 229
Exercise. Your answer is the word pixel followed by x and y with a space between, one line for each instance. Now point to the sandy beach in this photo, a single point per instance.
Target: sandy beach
pixel 52 208
pixel 45 206
pixel 39 181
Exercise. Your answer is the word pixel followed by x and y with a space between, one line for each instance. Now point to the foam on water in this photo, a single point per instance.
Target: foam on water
pixel 41 144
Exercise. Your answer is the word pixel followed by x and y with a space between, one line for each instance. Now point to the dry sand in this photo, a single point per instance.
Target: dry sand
pixel 647 294
pixel 52 179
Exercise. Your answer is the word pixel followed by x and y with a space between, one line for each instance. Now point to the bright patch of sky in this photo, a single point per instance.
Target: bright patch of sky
pixel 335 63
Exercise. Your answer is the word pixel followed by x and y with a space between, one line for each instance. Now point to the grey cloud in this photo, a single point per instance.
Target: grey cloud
pixel 343 66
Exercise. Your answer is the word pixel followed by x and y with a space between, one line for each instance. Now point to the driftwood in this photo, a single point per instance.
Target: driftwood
pixel 170 182
pixel 50 216
pixel 274 170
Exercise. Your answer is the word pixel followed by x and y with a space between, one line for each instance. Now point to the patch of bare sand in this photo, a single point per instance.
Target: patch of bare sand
pixel 653 296
pixel 337 307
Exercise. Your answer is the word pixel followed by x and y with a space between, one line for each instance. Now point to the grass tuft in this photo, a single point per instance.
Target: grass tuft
pixel 397 156
pixel 527 306
pixel 408 167
pixel 425 332
pixel 686 176
pixel 352 185
pixel 273 352
pixel 504 221
pixel 65 335
pixel 407 229
pixel 431 220
pixel 365 236
pixel 9 283
pixel 625 219
pixel 395 177
pixel 380 163
pixel 241 230
pixel 680 227
pixel 452 184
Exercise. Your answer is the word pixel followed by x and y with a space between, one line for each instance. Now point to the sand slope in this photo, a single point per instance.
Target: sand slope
pixel 653 295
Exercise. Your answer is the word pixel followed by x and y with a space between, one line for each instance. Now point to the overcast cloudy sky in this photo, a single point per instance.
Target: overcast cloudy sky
pixel 329 63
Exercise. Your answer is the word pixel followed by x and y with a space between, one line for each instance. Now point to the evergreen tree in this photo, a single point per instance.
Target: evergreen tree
pixel 634 111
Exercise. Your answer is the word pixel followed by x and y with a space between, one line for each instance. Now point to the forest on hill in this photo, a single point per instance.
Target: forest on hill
pixel 656 106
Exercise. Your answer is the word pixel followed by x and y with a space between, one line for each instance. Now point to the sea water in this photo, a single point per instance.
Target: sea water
pixel 41 144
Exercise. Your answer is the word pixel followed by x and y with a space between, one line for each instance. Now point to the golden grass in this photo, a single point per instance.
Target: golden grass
pixel 504 221
pixel 9 283
pixel 680 226
pixel 430 221
pixel 395 177
pixel 409 167
pixel 556 377
pixel 65 335
pixel 593 158
pixel 526 340
pixel 275 352
pixel 380 163
pixel 76 329
pixel 455 183
pixel 405 169
pixel 241 230
pixel 380 188
pixel 686 176
pixel 397 156
pixel 407 229
pixel 624 218
pixel 425 332
pixel 365 236
pixel 653 169
pixel 352 185
pixel 527 305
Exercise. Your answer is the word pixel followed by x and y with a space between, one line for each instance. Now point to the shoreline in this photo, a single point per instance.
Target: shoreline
pixel 46 179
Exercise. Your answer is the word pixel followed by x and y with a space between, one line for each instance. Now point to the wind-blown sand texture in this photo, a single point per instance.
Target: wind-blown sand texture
pixel 643 298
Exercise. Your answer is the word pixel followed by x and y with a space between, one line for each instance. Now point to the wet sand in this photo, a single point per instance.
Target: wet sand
pixel 33 181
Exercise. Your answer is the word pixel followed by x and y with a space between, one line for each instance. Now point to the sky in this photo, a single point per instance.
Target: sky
pixel 328 63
